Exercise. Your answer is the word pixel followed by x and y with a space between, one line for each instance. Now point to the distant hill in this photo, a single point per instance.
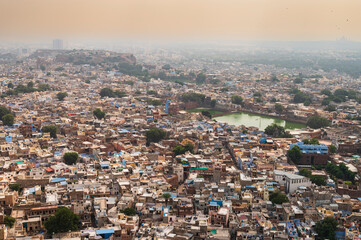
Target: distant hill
pixel 92 57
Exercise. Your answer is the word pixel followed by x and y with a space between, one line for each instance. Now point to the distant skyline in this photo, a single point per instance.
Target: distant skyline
pixel 247 20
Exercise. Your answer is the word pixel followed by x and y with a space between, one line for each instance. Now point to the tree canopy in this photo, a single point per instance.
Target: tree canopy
pixel 129 211
pixel 279 108
pixel 70 158
pixel 15 187
pixel 155 135
pixel 341 171
pixel 193 97
pixel 326 228
pixel 326 92
pixel 99 113
pixel 4 111
pixel 207 114
pixel 332 149
pixel 63 220
pixel 294 154
pixel 201 78
pixel 52 129
pixel 277 131
pixel 166 196
pixel 312 141
pixel 179 149
pixel 318 180
pixel 8 119
pixel 305 172
pixel 107 92
pixel 278 198
pixel 317 122
pixel 9 221
pixel 61 95
pixel 301 97
pixel 237 100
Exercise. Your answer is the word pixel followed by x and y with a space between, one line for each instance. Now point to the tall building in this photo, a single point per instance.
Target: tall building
pixel 58 44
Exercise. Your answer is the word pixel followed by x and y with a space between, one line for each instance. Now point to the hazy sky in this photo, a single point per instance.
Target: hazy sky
pixel 185 19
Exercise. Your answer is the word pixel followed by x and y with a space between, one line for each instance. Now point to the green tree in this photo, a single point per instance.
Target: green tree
pixel 224 89
pixel 317 122
pixel 152 92
pixel 4 111
pixel 120 94
pixel 213 103
pixel 106 92
pixel 295 154
pixel 59 69
pixel 8 119
pixel 274 79
pixel 278 198
pixel 207 114
pixel 166 67
pixel 42 68
pixel 277 131
pixel 10 85
pixel 193 97
pixel 154 102
pixel 43 87
pixel 318 180
pixel 341 92
pixel 214 81
pixel 325 102
pixel 341 171
pixel 52 129
pixel 179 149
pixel 257 94
pixel 201 78
pixel 305 172
pixel 63 220
pixel 332 149
pixel 30 84
pixel 15 187
pixel 301 97
pixel 326 92
pixel 129 211
pixel 279 108
pixel 330 108
pixel 155 135
pixel 312 141
pixel 61 95
pixel 307 102
pixel 70 158
pixel 166 196
pixel 326 228
pixel 237 100
pixel 298 80
pixel 99 113
pixel 131 83
pixel 9 221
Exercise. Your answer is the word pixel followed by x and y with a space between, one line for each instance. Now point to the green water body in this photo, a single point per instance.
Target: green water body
pixel 255 120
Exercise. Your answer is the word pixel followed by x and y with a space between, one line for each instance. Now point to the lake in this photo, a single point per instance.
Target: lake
pixel 255 120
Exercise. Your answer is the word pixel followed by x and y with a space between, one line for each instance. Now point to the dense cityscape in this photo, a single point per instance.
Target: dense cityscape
pixel 180 120
pixel 177 144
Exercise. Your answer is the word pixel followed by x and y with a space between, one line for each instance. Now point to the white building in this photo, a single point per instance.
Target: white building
pixel 291 181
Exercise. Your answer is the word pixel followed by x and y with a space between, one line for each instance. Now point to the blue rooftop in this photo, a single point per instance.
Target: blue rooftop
pixel 311 148
pixel 55 180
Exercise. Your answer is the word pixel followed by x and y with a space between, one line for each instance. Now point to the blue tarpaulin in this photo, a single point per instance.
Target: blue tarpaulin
pixel 54 180
pixel 106 233
pixel 8 139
